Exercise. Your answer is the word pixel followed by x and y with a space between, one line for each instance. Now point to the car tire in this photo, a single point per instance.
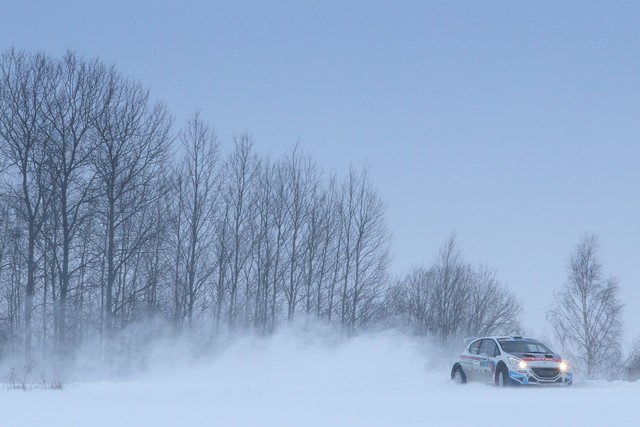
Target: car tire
pixel 457 375
pixel 502 376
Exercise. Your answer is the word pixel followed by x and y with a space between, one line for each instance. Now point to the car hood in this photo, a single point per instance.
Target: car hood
pixel 537 357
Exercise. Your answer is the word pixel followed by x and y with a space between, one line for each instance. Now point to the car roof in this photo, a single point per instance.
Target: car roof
pixel 502 337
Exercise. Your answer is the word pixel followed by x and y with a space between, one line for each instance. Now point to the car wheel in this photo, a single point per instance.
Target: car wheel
pixel 458 376
pixel 502 376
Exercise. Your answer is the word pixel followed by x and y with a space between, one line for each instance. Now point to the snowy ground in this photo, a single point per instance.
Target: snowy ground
pixel 381 380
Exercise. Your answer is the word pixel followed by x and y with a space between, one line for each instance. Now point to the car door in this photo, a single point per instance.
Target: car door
pixel 488 356
pixel 471 360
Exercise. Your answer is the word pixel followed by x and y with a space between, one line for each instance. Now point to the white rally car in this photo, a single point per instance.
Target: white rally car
pixel 509 361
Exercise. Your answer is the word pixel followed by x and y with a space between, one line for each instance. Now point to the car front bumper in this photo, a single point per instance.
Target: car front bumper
pixel 533 376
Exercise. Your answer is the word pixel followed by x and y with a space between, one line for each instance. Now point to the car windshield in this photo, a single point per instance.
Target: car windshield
pixel 524 346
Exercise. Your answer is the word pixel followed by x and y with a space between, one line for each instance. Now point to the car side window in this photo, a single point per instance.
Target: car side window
pixel 474 348
pixel 496 350
pixel 489 348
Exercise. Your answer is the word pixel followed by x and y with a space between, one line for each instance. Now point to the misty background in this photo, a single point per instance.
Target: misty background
pixel 512 126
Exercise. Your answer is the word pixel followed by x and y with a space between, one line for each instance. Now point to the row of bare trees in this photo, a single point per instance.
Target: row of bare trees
pixel 84 152
pixel 103 225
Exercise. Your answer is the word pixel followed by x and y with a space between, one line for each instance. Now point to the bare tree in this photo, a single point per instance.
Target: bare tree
pixel 223 256
pixel 493 309
pixel 338 252
pixel 201 148
pixel 178 235
pixel 264 248
pixel 71 109
pixel 631 366
pixel 366 249
pixel 453 299
pixel 450 296
pixel 23 143
pixel 315 250
pixel 347 209
pixel 158 264
pixel 128 160
pixel 586 316
pixel 278 215
pixel 242 172
pixel 9 292
pixel 412 297
pixel 328 249
pixel 300 179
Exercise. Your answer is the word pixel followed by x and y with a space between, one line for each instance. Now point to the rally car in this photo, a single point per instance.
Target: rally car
pixel 510 361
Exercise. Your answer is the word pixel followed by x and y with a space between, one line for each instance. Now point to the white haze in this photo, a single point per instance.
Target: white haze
pixel 306 375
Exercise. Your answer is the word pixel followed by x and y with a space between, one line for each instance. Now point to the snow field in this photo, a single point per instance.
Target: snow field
pixel 292 380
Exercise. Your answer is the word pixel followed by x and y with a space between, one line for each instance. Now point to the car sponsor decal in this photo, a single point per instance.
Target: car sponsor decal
pixel 472 357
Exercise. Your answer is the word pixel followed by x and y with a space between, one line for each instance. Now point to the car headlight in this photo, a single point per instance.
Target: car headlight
pixel 564 366
pixel 520 364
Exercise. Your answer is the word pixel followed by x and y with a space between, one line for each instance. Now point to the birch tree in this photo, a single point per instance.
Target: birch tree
pixel 586 315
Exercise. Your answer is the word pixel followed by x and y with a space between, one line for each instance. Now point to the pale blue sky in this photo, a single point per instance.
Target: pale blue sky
pixel 514 124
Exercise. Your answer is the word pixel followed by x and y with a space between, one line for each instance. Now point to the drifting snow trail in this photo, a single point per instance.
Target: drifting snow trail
pixel 369 381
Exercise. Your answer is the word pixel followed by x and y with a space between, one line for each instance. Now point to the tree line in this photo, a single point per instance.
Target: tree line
pixel 111 214
pixel 103 223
